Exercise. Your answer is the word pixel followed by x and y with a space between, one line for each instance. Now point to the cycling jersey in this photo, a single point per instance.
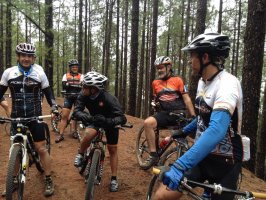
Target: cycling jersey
pixel 26 90
pixel 222 93
pixel 72 82
pixel 169 93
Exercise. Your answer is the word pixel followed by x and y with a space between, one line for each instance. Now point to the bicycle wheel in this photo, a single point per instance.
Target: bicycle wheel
pixel 142 150
pixel 56 120
pixel 94 169
pixel 168 158
pixel 14 184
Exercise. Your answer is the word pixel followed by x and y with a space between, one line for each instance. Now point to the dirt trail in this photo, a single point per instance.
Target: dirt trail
pixel 69 185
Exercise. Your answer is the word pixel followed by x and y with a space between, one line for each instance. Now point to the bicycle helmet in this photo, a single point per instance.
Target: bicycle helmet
pixel 73 62
pixel 162 60
pixel 94 79
pixel 26 48
pixel 214 44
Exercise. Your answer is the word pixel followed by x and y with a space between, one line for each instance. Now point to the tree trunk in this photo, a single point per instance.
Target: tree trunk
pixel 8 35
pixel 220 17
pixel 261 149
pixel 154 40
pixel 80 36
pixel 238 36
pixel 252 72
pixel 117 50
pixel 133 58
pixel 141 63
pixel 1 38
pixel 49 41
pixel 124 88
pixel 200 28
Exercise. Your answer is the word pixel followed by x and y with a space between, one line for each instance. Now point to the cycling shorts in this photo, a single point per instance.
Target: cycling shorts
pixel 216 170
pixel 37 130
pixel 164 119
pixel 69 102
pixel 112 134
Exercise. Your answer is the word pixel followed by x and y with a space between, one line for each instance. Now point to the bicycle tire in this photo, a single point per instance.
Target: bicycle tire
pixel 142 150
pixel 13 173
pixel 166 159
pixel 94 169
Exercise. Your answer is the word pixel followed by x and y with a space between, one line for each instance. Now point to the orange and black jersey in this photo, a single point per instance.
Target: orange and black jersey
pixel 169 93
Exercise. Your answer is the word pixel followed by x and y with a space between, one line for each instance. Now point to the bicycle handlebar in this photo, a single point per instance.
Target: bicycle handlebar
pixel 23 119
pixel 215 188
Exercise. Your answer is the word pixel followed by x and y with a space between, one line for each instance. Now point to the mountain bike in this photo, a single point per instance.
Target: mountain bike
pixel 22 155
pixel 186 188
pixel 142 150
pixel 92 166
pixel 57 119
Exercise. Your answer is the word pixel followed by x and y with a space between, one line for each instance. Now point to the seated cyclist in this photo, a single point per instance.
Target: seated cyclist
pixel 106 112
pixel 71 84
pixel 217 154
pixel 170 95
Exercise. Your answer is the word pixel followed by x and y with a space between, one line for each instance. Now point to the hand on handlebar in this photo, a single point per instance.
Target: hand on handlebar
pixel 101 121
pixel 172 176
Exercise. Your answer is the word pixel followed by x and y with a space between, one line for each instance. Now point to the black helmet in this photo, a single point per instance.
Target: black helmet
pixel 73 62
pixel 94 79
pixel 214 44
pixel 26 48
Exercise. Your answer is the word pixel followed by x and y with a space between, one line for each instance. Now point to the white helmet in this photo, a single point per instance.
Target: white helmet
pixel 94 79
pixel 26 48
pixel 162 60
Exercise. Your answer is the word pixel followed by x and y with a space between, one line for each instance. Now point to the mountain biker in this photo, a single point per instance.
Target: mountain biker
pixel 26 84
pixel 216 155
pixel 170 95
pixel 106 113
pixel 71 83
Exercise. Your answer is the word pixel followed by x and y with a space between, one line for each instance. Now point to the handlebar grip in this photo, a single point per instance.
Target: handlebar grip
pixel 45 116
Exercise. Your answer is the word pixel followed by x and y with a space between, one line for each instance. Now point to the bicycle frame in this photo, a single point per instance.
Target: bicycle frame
pixel 214 188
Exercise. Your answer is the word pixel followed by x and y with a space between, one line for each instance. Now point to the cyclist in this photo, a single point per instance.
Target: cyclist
pixel 26 84
pixel 71 83
pixel 216 155
pixel 170 95
pixel 106 112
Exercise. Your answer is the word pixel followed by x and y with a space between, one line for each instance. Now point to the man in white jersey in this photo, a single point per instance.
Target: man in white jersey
pixel 217 153
pixel 27 82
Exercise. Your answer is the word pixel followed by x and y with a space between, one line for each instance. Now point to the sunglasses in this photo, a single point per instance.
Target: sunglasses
pixel 161 66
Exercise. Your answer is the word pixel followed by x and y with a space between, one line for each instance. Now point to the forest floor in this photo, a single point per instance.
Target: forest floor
pixel 69 185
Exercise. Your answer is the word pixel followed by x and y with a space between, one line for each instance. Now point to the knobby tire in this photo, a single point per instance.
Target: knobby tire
pixel 94 169
pixel 14 170
pixel 142 151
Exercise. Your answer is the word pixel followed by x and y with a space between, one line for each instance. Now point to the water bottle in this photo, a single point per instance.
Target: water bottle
pixel 246 147
pixel 164 142
pixel 206 195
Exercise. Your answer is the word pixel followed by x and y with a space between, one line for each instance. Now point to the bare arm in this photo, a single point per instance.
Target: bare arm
pixel 189 104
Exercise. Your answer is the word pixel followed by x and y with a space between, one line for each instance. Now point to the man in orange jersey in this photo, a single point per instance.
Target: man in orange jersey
pixel 170 95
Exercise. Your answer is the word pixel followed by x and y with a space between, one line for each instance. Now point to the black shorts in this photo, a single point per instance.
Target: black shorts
pixel 112 134
pixel 69 102
pixel 216 171
pixel 37 130
pixel 164 119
